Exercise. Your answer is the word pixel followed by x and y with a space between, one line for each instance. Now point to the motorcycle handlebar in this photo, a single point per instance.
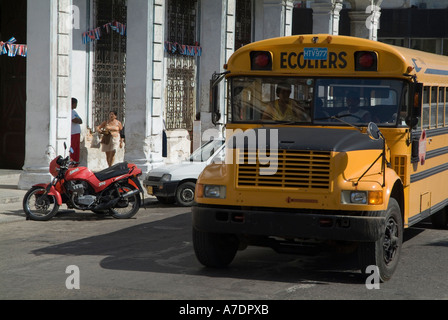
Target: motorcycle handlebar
pixel 65 161
pixel 60 161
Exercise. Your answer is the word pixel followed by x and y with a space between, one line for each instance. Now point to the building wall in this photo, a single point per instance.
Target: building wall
pixel 48 87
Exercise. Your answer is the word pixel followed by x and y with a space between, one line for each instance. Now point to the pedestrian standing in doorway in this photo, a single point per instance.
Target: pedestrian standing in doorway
pixel 76 132
pixel 113 127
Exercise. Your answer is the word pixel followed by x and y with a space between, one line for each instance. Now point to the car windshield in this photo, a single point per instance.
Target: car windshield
pixel 338 101
pixel 207 150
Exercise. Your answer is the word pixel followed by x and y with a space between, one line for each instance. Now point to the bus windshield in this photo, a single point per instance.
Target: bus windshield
pixel 321 101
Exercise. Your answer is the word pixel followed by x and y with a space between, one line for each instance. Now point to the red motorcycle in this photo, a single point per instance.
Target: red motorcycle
pixel 115 190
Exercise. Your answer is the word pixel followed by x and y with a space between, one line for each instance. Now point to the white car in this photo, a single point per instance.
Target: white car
pixel 176 183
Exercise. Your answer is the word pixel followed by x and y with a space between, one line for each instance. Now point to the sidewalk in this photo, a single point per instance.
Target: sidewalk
pixel 10 196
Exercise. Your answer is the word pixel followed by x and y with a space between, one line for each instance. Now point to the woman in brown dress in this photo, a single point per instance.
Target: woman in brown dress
pixel 113 126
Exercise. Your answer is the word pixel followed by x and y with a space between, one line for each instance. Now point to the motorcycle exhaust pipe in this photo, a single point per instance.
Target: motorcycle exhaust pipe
pixel 130 193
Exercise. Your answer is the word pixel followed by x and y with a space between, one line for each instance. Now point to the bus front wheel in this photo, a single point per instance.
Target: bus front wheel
pixel 385 252
pixel 213 249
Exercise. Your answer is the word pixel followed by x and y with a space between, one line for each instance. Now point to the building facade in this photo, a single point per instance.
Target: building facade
pixel 149 60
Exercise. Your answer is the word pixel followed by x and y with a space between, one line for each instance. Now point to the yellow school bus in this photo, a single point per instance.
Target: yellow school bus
pixel 329 138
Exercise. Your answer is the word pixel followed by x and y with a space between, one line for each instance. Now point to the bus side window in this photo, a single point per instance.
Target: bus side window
pixel 425 108
pixel 433 107
pixel 441 106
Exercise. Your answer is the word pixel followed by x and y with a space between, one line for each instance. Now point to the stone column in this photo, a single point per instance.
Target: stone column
pixel 48 107
pixel 335 17
pixel 322 10
pixel 275 19
pixel 217 40
pixel 373 21
pixel 365 18
pixel 144 83
pixel 358 24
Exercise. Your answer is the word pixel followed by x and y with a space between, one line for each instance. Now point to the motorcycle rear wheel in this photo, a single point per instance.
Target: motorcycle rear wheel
pixel 39 207
pixel 126 208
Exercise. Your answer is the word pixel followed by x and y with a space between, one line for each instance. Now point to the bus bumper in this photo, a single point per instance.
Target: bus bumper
pixel 288 224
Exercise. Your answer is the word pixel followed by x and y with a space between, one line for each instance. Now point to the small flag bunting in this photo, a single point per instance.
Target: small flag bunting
pixel 11 49
pixel 95 34
pixel 186 50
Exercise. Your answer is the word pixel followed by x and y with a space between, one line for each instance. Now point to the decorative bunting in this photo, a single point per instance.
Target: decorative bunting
pixel 95 34
pixel 186 50
pixel 11 49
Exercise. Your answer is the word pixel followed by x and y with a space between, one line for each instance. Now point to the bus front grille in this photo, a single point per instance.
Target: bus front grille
pixel 284 169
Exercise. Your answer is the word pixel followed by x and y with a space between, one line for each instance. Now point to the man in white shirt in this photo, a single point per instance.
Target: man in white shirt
pixel 76 132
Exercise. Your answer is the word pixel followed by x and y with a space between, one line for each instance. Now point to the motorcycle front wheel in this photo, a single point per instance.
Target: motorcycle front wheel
pixel 38 205
pixel 128 207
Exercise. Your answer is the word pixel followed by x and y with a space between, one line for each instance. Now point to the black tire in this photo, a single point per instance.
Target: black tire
pixel 39 207
pixel 126 208
pixel 439 219
pixel 385 252
pixel 166 200
pixel 185 194
pixel 213 249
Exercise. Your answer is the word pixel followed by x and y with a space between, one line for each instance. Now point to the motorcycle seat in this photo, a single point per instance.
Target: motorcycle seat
pixel 114 171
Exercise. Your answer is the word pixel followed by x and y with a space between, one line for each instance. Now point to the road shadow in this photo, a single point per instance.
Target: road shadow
pixel 165 246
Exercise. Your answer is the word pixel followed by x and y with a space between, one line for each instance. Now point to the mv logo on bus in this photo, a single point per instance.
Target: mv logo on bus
pixel 260 145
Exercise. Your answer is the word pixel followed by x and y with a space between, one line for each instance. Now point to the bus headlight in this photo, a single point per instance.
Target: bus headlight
pixel 359 197
pixel 362 197
pixel 214 191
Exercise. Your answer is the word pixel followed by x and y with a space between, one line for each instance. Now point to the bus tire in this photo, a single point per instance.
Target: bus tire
pixel 213 249
pixel 385 252
pixel 439 220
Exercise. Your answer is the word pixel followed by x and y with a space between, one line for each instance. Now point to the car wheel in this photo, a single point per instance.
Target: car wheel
pixel 185 194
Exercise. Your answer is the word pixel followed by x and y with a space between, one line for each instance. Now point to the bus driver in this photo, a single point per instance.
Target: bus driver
pixel 284 108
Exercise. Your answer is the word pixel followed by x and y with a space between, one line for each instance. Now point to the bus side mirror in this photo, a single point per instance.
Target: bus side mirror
pixel 214 106
pixel 373 131
pixel 416 104
pixel 214 96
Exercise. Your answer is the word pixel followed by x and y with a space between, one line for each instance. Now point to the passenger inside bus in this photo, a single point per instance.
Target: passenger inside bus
pixel 284 108
pixel 354 114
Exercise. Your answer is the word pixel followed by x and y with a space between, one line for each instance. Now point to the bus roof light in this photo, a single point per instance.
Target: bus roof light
pixel 261 60
pixel 366 61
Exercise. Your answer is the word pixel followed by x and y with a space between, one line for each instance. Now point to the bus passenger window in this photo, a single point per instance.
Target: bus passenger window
pixel 433 107
pixel 446 105
pixel 441 106
pixel 425 108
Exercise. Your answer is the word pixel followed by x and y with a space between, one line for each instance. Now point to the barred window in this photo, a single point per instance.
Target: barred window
pixel 243 23
pixel 109 66
pixel 182 64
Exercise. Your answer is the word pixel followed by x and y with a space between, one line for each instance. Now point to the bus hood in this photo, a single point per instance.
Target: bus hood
pixel 306 138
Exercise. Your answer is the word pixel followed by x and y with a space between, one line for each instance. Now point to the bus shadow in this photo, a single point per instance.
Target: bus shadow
pixel 165 246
